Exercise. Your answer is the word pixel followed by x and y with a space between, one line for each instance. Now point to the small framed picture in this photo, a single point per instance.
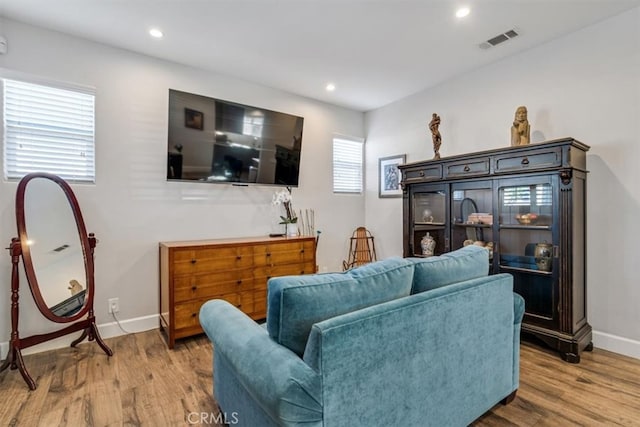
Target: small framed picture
pixel 193 119
pixel 389 176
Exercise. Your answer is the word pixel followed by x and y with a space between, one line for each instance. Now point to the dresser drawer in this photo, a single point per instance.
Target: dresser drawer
pixel 186 314
pixel 422 173
pixel 259 305
pixel 533 159
pixel 283 253
pixel 210 286
pixel 471 167
pixel 193 261
pixel 262 274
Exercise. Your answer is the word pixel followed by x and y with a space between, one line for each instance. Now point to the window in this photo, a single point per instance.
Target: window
pixel 347 165
pixel 521 196
pixel 48 129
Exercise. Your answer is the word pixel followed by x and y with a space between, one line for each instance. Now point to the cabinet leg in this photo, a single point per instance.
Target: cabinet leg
pixel 589 347
pixel 570 357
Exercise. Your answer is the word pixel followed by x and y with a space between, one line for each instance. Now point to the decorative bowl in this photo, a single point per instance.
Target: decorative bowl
pixel 527 219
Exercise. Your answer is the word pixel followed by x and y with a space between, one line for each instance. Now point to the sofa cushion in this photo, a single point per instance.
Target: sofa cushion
pixel 463 264
pixel 295 303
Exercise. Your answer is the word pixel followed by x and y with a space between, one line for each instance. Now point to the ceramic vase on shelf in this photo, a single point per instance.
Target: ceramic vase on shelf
pixel 428 245
pixel 543 256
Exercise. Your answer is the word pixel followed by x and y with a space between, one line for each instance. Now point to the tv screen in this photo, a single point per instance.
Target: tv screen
pixel 211 140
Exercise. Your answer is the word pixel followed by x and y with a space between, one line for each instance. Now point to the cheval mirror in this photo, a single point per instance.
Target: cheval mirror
pixel 57 255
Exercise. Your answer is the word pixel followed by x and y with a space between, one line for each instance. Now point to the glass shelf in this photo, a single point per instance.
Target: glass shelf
pixel 524 227
pixel 525 270
pixel 465 225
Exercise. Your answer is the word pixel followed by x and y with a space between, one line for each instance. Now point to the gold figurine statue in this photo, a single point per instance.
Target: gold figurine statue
pixel 435 134
pixel 520 131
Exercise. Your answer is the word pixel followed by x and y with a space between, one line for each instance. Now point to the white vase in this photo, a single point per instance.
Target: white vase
pixel 292 230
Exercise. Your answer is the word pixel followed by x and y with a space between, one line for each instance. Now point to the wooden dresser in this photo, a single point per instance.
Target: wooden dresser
pixel 235 270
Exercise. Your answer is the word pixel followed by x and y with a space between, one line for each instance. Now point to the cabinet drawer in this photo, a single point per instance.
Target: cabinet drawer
pixel 533 159
pixel 261 275
pixel 283 253
pixel 193 261
pixel 259 306
pixel 211 285
pixel 187 313
pixel 471 167
pixel 423 173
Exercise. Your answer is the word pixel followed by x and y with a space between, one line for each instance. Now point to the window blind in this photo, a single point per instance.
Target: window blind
pixel 521 196
pixel 48 129
pixel 347 166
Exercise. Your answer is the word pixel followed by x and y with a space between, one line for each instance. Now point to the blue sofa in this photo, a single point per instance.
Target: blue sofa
pixel 412 342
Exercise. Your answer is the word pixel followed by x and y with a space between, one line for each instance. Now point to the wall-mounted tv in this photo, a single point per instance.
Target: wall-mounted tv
pixel 216 141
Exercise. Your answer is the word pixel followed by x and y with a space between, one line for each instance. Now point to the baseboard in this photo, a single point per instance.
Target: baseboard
pixel 4 349
pixel 616 344
pixel 130 326
pixel 107 330
pixel 609 342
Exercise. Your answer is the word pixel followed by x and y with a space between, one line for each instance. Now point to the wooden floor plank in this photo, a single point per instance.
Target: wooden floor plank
pixel 145 383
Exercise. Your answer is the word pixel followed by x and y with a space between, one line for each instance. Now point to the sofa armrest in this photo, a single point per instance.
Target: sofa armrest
pixel 518 314
pixel 518 309
pixel 281 383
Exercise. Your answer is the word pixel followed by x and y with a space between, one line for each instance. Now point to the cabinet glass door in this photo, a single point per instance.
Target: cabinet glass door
pixel 527 243
pixel 472 215
pixel 429 221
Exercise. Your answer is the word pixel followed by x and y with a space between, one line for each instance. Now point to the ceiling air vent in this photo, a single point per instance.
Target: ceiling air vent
pixel 500 38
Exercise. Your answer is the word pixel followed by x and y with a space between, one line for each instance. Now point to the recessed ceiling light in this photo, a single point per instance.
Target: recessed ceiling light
pixel 462 12
pixel 330 87
pixel 156 33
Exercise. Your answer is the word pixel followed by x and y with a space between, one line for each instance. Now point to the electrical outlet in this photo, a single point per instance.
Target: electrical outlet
pixel 114 305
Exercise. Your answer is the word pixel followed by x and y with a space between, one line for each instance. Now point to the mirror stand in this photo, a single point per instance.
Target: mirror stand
pixel 88 326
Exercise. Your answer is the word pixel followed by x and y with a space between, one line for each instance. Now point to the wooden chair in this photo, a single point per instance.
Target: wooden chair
pixel 362 250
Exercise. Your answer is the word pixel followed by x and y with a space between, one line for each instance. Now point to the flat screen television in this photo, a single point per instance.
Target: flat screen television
pixel 216 141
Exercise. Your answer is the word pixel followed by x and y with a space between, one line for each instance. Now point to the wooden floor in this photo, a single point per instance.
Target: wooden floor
pixel 144 383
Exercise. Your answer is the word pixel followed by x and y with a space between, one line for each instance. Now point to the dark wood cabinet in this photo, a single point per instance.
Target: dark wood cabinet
pixel 526 204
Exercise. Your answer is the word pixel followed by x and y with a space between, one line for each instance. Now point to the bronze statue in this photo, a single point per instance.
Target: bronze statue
pixel 435 134
pixel 520 131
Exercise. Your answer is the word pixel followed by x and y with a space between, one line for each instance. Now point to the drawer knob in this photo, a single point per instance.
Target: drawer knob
pixel 466 168
pixel 239 282
pixel 421 173
pixel 239 257
pixel 268 253
pixel 193 288
pixel 525 161
pixel 193 261
pixel 193 314
pixel 268 277
pixel 301 251
pixel 302 272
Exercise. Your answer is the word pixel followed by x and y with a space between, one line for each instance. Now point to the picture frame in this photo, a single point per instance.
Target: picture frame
pixel 389 176
pixel 193 119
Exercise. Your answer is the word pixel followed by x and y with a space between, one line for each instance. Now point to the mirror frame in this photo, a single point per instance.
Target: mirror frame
pixel 26 252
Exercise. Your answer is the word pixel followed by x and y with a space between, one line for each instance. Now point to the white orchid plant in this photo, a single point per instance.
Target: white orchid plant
pixel 283 197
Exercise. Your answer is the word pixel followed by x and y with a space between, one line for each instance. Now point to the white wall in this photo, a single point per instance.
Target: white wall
pixel 585 85
pixel 132 207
